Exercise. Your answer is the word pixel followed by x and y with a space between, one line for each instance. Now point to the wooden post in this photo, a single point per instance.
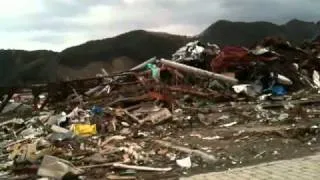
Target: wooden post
pixel 143 64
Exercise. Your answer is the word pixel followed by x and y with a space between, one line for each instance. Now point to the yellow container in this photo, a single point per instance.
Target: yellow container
pixel 84 129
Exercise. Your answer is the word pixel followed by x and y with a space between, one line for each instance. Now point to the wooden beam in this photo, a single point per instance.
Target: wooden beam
pixel 198 71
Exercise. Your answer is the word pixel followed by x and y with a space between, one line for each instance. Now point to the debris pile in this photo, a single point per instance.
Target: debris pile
pixel 209 108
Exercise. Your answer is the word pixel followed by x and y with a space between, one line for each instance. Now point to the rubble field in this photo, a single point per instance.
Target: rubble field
pixel 207 109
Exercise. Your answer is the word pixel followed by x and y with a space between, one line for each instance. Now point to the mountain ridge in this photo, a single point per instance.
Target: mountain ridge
pixel 128 49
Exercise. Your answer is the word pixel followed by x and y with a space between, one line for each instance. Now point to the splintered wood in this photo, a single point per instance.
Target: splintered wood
pixel 203 155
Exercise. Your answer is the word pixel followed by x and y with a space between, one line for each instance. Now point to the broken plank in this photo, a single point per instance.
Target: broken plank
pixel 141 168
pixel 203 155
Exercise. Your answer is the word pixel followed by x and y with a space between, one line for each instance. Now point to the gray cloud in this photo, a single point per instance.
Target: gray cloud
pixel 53 39
pixel 43 23
pixel 277 11
pixel 62 23
pixel 60 8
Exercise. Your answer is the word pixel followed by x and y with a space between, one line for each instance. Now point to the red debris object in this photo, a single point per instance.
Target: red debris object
pixel 158 96
pixel 233 56
pixel 228 57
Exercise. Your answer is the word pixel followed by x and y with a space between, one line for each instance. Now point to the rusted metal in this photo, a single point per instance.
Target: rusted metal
pixel 191 91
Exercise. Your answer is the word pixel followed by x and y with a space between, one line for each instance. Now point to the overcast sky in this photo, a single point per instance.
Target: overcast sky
pixel 58 24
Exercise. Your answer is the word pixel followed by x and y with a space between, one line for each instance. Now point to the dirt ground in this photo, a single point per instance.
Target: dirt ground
pixel 236 146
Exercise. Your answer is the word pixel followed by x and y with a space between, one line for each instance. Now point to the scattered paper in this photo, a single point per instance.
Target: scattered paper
pixel 184 163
